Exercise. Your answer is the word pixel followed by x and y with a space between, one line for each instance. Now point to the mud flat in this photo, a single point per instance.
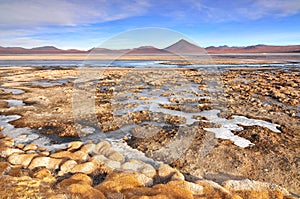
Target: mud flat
pixel 136 133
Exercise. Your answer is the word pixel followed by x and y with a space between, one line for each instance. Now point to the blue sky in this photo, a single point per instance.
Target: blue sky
pixel 85 24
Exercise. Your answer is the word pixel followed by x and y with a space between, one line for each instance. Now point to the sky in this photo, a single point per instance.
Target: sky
pixel 83 24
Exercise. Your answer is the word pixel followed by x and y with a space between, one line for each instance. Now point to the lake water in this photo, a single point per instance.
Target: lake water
pixel 129 64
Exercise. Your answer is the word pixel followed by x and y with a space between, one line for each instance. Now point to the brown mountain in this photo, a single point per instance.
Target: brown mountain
pixel 253 49
pixel 180 47
pixel 185 47
pixel 37 50
pixel 147 50
pixel 107 51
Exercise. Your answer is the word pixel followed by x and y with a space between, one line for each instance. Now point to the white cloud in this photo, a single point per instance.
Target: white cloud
pixel 270 8
pixel 218 11
pixel 16 13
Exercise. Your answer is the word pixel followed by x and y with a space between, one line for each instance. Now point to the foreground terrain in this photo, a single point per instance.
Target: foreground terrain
pixel 230 133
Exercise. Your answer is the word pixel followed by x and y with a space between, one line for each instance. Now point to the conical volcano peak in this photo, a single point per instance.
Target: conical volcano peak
pixel 184 47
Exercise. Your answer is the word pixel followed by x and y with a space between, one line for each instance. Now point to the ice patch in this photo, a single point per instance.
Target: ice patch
pixel 229 125
pixel 14 103
pixel 26 135
pixel 12 90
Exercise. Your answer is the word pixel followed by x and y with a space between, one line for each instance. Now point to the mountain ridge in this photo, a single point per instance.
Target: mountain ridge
pixel 180 47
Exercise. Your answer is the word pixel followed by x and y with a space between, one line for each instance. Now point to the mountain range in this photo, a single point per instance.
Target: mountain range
pixel 180 47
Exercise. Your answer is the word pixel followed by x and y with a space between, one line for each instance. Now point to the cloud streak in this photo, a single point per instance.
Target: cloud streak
pixel 217 11
pixel 21 13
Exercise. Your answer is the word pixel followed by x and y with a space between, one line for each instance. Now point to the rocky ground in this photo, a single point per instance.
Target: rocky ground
pixel 206 167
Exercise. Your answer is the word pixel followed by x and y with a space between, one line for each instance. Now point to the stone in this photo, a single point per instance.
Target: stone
pixel 86 191
pixel 87 168
pixel 105 163
pixel 139 166
pixel 21 159
pixel 30 147
pixel 118 181
pixel 160 191
pixel 102 147
pixel 78 155
pixel 74 145
pixel 89 148
pixel 30 152
pixel 251 185
pixel 7 142
pixel 78 178
pixel 45 153
pixel 196 189
pixel 1 135
pixel 48 162
pixel 45 175
pixel 166 173
pixel 66 167
pixel 116 156
pixel 20 146
pixel 213 187
pixel 7 151
pixel 42 149
pixel 4 167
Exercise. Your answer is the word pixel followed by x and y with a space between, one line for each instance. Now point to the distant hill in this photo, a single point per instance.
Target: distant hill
pixel 184 47
pixel 37 50
pixel 180 47
pixel 253 49
pixel 147 50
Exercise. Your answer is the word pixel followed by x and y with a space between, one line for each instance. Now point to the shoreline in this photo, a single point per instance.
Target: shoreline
pixel 258 58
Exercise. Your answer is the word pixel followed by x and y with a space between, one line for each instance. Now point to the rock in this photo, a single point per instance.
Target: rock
pixel 78 178
pixel 48 162
pixel 45 153
pixel 74 145
pixel 105 163
pixel 102 147
pixel 30 147
pixel 213 188
pixel 139 166
pixel 166 173
pixel 118 181
pixel 251 185
pixel 160 191
pixel 196 189
pixel 21 159
pixel 42 149
pixel 78 155
pixel 66 167
pixel 45 175
pixel 30 152
pixel 80 184
pixel 4 167
pixel 89 148
pixel 1 135
pixel 145 180
pixel 7 142
pixel 116 156
pixel 7 151
pixel 20 146
pixel 87 168
pixel 85 191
